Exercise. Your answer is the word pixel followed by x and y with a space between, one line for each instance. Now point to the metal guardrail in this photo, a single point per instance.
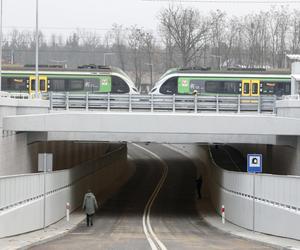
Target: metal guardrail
pixel 291 97
pixel 4 94
pixel 156 103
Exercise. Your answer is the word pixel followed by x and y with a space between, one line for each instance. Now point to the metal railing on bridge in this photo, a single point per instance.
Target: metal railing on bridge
pixel 14 95
pixel 161 103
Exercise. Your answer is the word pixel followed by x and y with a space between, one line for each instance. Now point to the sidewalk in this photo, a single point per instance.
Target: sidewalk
pixel 211 217
pixel 54 231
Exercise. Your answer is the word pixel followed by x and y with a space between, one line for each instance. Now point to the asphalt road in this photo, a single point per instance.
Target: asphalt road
pixel 173 216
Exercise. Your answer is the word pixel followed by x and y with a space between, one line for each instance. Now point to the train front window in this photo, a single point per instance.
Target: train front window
pixel 169 87
pixel 119 85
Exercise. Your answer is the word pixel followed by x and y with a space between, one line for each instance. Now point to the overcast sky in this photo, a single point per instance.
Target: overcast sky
pixel 62 16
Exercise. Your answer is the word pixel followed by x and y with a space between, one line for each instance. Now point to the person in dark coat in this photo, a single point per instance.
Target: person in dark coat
pixel 89 206
pixel 198 186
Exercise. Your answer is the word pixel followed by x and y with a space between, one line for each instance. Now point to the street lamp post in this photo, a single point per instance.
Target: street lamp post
pixel 220 59
pixel 36 49
pixel 151 73
pixel 104 57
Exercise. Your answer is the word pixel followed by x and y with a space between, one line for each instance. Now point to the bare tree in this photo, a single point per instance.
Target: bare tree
pixel 149 45
pixel 278 30
pixel 187 28
pixel 136 44
pixel 118 36
pixel 169 50
pixel 89 40
pixel 218 34
pixel 295 32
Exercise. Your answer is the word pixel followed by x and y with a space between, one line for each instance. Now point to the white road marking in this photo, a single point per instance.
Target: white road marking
pixel 153 240
pixel 82 233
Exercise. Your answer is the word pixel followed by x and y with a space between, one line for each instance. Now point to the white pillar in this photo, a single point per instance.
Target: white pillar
pixel 1 34
pixel 294 83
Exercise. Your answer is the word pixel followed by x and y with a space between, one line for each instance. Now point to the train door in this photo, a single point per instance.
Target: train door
pixel 250 87
pixel 42 84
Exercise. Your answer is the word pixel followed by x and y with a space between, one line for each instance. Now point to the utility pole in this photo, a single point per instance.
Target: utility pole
pixel 104 56
pixel 151 73
pixel 37 49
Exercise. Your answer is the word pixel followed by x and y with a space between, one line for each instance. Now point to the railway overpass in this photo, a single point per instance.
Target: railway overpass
pixel 33 121
pixel 157 127
pixel 162 119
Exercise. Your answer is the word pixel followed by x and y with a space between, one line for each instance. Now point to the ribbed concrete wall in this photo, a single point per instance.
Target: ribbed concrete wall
pixel 277 201
pixel 103 176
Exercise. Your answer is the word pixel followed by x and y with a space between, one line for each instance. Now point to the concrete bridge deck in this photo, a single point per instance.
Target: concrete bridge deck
pixel 157 127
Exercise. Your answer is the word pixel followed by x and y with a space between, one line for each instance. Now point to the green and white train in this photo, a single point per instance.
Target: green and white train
pixel 94 79
pixel 242 82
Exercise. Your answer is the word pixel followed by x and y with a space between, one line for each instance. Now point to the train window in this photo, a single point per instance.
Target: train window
pixel 282 88
pixel 76 84
pixel 14 84
pixel 254 88
pixel 213 87
pixel 91 85
pixel 42 85
pixel 169 87
pixel 32 84
pixel 196 85
pixel 119 85
pixel 57 85
pixel 268 88
pixel 246 88
pixel 276 88
pixel 231 87
pixel 287 88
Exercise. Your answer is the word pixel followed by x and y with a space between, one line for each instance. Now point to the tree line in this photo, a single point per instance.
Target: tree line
pixel 184 38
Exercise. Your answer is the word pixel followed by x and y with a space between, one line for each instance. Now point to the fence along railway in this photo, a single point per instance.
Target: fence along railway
pixel 161 103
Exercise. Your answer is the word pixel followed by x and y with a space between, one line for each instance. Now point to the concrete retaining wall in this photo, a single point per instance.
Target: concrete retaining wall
pixel 100 175
pixel 276 209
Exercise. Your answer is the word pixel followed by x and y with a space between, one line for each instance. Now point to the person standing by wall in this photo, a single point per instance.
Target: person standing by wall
pixel 89 206
pixel 198 186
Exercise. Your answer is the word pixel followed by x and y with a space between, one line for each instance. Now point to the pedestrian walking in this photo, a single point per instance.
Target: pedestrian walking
pixel 198 186
pixel 89 206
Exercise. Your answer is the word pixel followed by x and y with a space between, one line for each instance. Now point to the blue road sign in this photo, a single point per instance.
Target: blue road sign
pixel 254 163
